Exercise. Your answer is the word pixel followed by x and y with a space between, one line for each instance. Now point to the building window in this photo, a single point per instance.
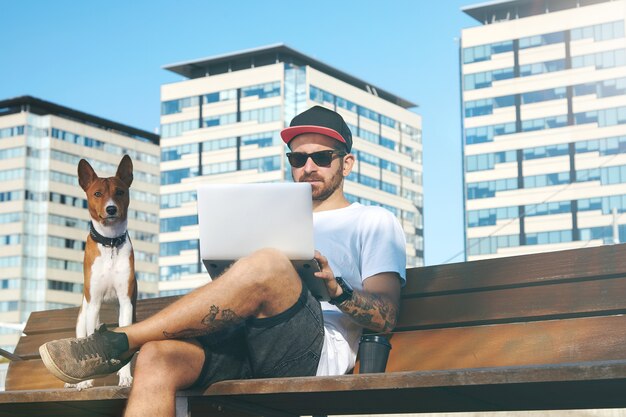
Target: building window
pixel 176 272
pixel 175 248
pixel 175 200
pixel 541 40
pixel 484 52
pixel 261 91
pixel 8 132
pixel 485 79
pixel 601 60
pixel 599 32
pixel 65 286
pixel 174 224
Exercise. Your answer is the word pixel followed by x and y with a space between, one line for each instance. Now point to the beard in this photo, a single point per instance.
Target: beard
pixel 321 192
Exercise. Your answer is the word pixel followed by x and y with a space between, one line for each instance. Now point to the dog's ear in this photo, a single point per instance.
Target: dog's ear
pixel 125 171
pixel 86 174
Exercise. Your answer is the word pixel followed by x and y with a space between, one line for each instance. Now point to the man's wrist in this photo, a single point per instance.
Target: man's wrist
pixel 346 292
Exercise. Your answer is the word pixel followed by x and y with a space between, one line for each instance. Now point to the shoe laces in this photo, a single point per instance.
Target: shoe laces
pixel 93 346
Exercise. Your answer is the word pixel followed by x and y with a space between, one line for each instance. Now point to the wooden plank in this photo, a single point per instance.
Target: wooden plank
pixel 101 401
pixel 560 395
pixel 108 408
pixel 534 343
pixel 58 395
pixel 488 389
pixel 558 300
pixel 65 319
pixel 535 269
pixel 28 346
pixel 585 385
pixel 595 370
pixel 33 375
pixel 30 374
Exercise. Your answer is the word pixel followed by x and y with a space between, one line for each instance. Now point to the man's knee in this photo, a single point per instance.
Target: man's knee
pixel 270 265
pixel 150 359
pixel 155 358
pixel 161 363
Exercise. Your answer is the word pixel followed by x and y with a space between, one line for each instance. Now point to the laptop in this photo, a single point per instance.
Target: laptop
pixel 235 220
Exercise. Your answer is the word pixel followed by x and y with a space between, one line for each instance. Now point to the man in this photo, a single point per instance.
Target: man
pixel 257 319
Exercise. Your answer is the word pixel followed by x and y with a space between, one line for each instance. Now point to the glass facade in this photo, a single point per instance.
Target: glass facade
pixel 558 132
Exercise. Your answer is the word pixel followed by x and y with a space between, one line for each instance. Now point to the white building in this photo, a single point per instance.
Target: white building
pixel 222 123
pixel 43 210
pixel 544 101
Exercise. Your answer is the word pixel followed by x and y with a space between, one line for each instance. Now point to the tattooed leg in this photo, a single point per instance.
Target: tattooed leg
pixel 215 321
pixel 262 285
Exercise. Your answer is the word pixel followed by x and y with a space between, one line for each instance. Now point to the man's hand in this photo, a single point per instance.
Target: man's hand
pixel 376 307
pixel 327 274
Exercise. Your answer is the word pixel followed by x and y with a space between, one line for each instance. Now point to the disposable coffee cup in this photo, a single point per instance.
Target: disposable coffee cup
pixel 373 354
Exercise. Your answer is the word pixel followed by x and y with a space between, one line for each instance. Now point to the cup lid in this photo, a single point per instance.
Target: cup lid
pixel 372 338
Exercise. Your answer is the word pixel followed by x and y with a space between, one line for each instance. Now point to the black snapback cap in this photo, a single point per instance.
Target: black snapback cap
pixel 321 120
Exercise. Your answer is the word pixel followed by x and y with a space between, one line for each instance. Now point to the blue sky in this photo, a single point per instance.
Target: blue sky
pixel 106 58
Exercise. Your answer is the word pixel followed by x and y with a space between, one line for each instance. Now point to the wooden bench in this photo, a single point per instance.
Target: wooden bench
pixel 534 332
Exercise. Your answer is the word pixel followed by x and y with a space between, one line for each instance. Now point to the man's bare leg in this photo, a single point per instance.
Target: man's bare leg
pixel 162 368
pixel 263 284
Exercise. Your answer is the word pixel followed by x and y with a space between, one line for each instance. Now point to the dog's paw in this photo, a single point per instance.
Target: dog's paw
pixel 125 381
pixel 84 385
pixel 68 385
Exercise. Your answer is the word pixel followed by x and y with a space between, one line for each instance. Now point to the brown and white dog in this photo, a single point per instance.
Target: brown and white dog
pixel 109 263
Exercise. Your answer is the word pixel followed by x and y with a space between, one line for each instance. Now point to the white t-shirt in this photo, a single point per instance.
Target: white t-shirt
pixel 359 242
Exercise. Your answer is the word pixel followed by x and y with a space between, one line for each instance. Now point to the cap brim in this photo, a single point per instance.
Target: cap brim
pixel 291 132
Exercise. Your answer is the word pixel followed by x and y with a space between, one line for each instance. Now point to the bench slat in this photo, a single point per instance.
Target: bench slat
pixel 517 270
pixel 28 346
pixel 544 342
pixel 102 401
pixel 65 319
pixel 557 300
pixel 108 408
pixel 552 387
pixel 32 374
pixel 563 386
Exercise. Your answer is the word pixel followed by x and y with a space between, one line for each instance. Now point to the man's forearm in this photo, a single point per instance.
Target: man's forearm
pixel 373 311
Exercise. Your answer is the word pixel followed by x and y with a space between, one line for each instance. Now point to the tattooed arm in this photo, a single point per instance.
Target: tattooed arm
pixel 376 307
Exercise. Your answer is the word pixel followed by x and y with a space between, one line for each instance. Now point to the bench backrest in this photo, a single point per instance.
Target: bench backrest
pixel 549 308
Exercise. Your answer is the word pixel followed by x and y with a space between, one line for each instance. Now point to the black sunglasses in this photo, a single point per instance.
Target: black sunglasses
pixel 321 158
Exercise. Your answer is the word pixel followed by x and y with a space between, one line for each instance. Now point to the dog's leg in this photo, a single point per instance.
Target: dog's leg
pixel 81 330
pixel 92 318
pixel 125 319
pixel 81 323
pixel 93 312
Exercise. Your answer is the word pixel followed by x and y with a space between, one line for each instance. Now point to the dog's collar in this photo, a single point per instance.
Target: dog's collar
pixel 109 242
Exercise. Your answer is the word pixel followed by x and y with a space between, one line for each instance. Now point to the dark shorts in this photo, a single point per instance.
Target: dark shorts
pixel 288 344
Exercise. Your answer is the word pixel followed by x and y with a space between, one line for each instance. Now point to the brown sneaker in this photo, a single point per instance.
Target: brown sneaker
pixel 77 359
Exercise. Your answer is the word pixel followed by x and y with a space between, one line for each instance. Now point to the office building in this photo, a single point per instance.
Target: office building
pixel 221 123
pixel 544 122
pixel 43 211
